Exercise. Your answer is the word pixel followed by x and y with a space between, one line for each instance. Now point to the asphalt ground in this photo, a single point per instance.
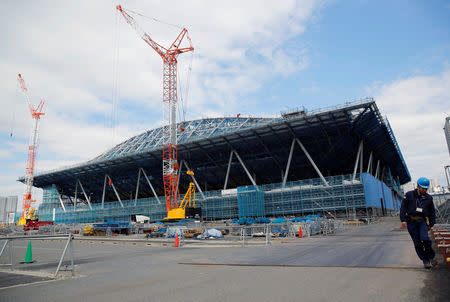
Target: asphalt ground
pixel 376 262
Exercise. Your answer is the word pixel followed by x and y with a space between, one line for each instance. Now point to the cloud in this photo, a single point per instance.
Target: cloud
pixel 416 108
pixel 5 154
pixel 66 53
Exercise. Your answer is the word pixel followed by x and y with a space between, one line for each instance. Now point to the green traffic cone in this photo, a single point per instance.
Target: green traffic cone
pixel 28 255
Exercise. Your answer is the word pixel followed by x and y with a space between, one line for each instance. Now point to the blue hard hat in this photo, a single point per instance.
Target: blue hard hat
pixel 423 182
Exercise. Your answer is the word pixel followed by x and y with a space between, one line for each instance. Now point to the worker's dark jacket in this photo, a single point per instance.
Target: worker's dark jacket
pixel 412 201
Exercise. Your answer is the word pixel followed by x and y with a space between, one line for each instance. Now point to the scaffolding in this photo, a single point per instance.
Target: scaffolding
pixel 343 196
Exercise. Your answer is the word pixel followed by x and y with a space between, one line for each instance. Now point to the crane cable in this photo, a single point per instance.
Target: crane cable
pixel 154 19
pixel 115 86
pixel 12 121
pixel 183 99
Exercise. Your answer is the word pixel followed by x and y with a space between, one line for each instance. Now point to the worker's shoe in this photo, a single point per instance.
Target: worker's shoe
pixel 426 264
pixel 433 262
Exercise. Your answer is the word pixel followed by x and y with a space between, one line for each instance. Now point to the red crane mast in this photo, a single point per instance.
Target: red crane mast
pixel 27 210
pixel 169 56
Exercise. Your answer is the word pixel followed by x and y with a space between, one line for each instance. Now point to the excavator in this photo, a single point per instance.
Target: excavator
pixel 187 207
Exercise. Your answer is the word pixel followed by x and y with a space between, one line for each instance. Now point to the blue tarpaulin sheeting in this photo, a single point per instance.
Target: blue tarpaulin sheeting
pixel 279 220
pixel 375 191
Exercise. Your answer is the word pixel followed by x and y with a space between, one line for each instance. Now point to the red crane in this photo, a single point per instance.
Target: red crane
pixel 28 213
pixel 169 56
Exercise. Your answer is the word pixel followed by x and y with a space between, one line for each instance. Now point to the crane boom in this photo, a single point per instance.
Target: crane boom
pixel 130 20
pixel 170 154
pixel 27 210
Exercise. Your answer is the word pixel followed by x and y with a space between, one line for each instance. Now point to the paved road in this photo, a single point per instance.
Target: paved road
pixel 369 263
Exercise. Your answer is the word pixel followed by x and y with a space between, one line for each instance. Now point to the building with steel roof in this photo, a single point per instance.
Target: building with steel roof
pixel 343 158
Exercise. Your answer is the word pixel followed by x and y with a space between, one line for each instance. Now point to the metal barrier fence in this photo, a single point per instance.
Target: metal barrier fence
pixel 441 233
pixel 9 241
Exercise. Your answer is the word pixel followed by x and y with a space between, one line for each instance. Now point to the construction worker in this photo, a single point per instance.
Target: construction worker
pixel 417 214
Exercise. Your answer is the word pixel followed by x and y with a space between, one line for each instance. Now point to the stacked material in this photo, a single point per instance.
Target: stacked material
pixel 192 233
pixel 441 233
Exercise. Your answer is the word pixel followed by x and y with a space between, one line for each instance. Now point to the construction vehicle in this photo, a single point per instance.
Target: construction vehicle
pixel 187 207
pixel 175 210
pixel 28 212
pixel 88 230
pixel 36 224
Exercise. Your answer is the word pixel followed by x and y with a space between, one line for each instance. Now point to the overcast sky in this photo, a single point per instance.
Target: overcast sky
pixel 102 84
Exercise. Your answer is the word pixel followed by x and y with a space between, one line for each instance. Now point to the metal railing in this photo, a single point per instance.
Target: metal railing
pixel 9 241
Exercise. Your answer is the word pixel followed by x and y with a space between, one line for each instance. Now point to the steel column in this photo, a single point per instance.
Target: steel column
pixel 245 168
pixel 115 191
pixel 104 191
pixel 312 162
pixel 150 184
pixel 60 200
pixel 357 160
pixel 288 163
pixel 377 170
pixel 369 165
pixel 85 195
pixel 228 170
pixel 76 194
pixel 137 187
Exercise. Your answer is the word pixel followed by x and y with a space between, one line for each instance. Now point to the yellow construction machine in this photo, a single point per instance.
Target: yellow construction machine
pixel 29 216
pixel 187 207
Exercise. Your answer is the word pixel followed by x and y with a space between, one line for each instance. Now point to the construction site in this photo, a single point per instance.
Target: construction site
pixel 310 196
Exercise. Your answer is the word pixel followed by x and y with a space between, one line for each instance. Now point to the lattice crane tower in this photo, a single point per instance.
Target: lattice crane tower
pixel 169 56
pixel 27 210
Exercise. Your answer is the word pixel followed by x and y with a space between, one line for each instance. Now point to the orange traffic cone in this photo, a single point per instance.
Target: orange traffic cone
pixel 177 242
pixel 300 233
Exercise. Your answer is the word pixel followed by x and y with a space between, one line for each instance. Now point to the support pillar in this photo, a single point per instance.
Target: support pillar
pixel 61 201
pixel 137 187
pixel 369 165
pixel 228 170
pixel 243 166
pixel 378 169
pixel 85 195
pixel 312 162
pixel 357 160
pixel 115 191
pixel 288 163
pixel 103 194
pixel 151 186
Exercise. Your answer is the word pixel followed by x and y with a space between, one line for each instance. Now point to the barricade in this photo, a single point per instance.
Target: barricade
pixel 441 234
pixel 69 244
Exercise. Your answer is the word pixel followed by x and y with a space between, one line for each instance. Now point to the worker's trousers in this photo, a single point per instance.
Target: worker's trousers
pixel 422 243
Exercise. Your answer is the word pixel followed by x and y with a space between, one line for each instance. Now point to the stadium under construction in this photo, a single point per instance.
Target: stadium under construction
pixel 342 161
